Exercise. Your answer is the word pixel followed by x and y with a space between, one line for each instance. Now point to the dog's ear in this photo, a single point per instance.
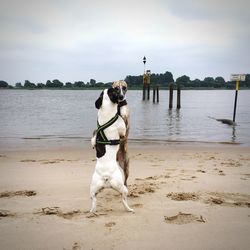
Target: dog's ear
pixel 98 102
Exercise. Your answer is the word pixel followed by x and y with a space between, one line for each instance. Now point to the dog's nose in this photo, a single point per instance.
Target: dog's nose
pixel 120 97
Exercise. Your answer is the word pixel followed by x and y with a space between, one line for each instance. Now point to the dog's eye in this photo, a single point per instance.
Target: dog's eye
pixel 117 89
pixel 124 88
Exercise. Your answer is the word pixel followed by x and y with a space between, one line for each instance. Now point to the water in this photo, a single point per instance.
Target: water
pixel 55 117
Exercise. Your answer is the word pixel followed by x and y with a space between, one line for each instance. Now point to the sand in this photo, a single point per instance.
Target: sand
pixel 185 197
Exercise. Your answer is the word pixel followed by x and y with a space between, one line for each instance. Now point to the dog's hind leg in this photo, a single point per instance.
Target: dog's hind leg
pixel 124 199
pixel 95 187
pixel 122 189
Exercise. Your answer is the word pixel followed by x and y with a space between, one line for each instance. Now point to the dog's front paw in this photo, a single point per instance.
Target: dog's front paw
pixel 93 142
pixel 131 210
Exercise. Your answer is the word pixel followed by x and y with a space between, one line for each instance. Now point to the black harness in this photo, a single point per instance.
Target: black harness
pixel 102 140
pixel 101 137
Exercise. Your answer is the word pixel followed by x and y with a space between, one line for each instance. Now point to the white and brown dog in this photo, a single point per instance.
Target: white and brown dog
pixel 111 127
pixel 120 88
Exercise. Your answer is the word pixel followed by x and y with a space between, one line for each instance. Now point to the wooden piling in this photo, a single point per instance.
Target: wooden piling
pixel 171 89
pixel 148 91
pixel 157 93
pixel 178 97
pixel 154 94
pixel 144 92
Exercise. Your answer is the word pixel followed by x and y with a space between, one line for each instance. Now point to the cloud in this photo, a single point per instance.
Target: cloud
pixel 106 40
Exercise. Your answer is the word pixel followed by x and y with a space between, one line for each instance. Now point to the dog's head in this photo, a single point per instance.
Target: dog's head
pixel 109 95
pixel 121 88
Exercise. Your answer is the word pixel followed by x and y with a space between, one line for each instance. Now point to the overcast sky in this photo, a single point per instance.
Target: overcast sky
pixel 73 40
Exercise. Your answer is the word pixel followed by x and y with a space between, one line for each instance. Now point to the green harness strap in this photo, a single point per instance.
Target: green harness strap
pixel 102 139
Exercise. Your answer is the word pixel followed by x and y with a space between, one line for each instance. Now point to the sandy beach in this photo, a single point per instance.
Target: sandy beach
pixel 185 196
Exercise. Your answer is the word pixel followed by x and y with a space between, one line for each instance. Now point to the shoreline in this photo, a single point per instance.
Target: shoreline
pixel 41 143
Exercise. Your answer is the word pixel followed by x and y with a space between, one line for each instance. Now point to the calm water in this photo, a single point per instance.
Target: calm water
pixel 47 117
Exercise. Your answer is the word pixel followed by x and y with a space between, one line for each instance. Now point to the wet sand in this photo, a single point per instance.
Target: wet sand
pixel 185 197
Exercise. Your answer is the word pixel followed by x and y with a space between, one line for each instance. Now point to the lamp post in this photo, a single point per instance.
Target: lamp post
pixel 143 79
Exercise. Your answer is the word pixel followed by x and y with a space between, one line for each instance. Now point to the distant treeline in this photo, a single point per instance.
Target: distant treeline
pixel 135 82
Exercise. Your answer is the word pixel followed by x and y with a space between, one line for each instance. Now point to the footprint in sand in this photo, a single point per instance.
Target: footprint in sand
pixel 6 213
pixel 76 246
pixel 221 172
pixel 213 198
pixel 57 211
pixel 137 205
pixel 231 163
pixel 53 161
pixel 183 196
pixel 137 189
pixel 110 224
pixel 201 171
pixel 17 193
pixel 28 160
pixel 183 218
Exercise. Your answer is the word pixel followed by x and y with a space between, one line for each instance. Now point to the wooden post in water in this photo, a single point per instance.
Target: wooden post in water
pixel 143 92
pixel 157 93
pixel 178 97
pixel 146 85
pixel 171 89
pixel 154 94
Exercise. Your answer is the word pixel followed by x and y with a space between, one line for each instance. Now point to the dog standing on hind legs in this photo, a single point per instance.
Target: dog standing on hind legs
pixel 111 127
pixel 120 88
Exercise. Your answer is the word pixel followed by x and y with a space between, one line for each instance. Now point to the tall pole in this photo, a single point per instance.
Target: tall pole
pixel 235 100
pixel 143 79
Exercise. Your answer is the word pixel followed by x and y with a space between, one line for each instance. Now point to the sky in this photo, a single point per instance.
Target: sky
pixel 76 40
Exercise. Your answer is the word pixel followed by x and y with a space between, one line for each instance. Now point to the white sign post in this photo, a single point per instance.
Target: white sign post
pixel 238 77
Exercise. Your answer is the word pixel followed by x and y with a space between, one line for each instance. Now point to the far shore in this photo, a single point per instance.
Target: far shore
pixel 130 88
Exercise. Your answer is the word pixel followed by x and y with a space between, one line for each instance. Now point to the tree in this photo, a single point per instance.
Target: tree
pixel 219 82
pixel 183 81
pixel 57 84
pixel 79 84
pixel 29 85
pixel 49 84
pixel 41 85
pixel 134 80
pixel 92 82
pixel 247 82
pixel 168 77
pixel 196 83
pixel 3 84
pixel 68 85
pixel 99 84
pixel 208 82
pixel 18 85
